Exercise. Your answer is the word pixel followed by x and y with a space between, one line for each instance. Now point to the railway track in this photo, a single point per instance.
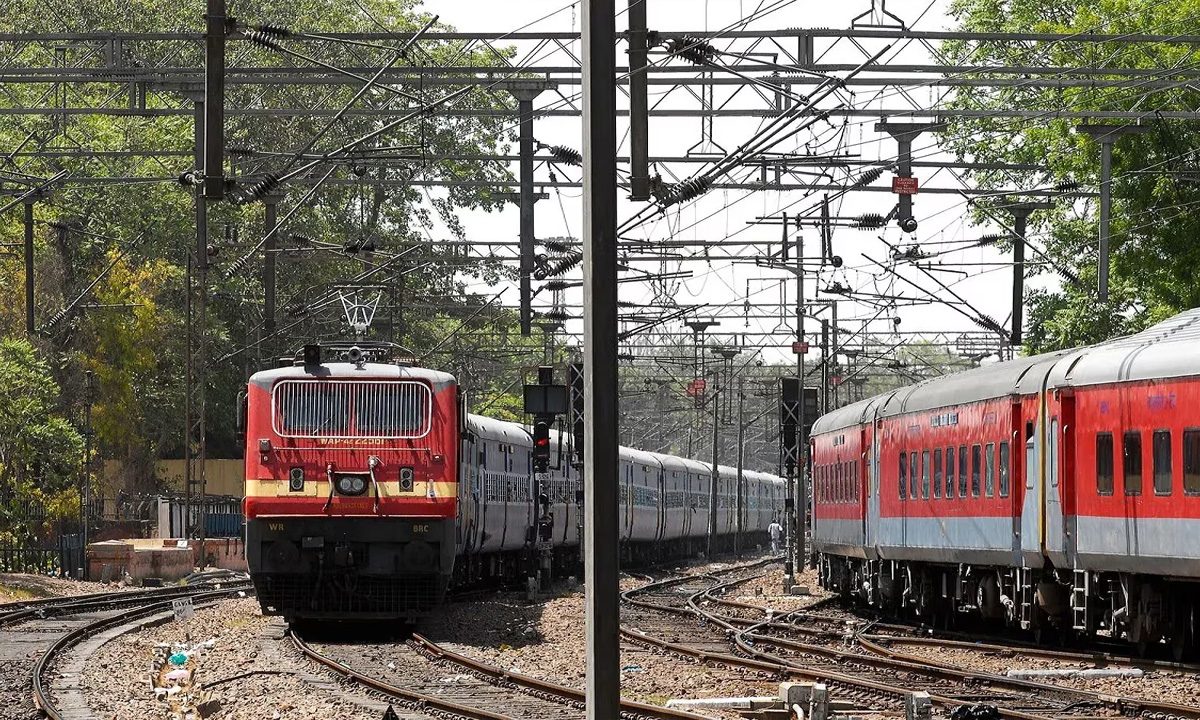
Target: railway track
pixel 885 637
pixel 869 676
pixel 46 630
pixel 423 676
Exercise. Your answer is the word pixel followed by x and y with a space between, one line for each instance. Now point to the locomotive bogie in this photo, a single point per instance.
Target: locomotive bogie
pixel 344 568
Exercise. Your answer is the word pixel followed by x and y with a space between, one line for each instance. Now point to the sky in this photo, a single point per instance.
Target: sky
pixel 982 276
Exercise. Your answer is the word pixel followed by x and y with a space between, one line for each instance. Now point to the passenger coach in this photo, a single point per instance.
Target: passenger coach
pixel 1060 491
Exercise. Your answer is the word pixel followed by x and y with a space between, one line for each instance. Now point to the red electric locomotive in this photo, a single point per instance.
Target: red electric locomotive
pixel 330 445
pixel 1059 491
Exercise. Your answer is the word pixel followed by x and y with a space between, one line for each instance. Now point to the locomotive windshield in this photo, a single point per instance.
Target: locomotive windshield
pixel 339 409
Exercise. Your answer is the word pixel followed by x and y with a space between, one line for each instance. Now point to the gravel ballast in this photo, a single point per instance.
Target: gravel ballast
pixel 250 672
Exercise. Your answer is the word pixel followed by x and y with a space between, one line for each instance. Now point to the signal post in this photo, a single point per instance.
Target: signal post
pixel 545 401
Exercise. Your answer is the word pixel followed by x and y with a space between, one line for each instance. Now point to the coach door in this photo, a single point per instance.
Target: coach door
pixel 862 480
pixel 874 483
pixel 1059 467
pixel 1016 462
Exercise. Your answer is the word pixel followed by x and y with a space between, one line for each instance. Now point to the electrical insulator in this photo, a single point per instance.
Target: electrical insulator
pixel 869 177
pixel 870 221
pixel 692 49
pixel 566 155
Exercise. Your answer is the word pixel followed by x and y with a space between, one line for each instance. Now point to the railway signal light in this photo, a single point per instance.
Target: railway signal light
pixel 541 444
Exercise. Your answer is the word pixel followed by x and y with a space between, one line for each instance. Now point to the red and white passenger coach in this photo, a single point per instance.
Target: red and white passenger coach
pixel 1058 491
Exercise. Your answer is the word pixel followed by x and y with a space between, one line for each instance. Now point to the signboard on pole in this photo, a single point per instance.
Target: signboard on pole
pixel 800 348
pixel 904 185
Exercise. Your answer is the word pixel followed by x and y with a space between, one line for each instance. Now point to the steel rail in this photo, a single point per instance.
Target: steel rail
pixel 886 658
pixel 748 641
pixel 568 694
pixel 874 633
pixel 1018 647
pixel 51 607
pixel 41 694
pixel 495 675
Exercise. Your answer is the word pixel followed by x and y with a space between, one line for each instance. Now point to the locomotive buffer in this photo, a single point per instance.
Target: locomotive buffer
pixel 545 401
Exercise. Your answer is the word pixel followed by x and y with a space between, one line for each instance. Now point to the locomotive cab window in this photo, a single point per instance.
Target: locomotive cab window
pixel 1162 462
pixel 976 456
pixel 1104 463
pixel 1191 462
pixel 1132 465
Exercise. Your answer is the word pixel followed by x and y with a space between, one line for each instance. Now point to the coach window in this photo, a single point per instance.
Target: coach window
pixel 962 471
pixel 989 475
pixel 925 474
pixel 903 476
pixel 937 473
pixel 949 472
pixel 976 457
pixel 1003 469
pixel 1104 464
pixel 1191 462
pixel 1162 462
pixel 914 476
pixel 1133 462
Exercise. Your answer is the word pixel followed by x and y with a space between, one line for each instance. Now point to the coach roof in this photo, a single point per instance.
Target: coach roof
pixel 856 413
pixel 1169 349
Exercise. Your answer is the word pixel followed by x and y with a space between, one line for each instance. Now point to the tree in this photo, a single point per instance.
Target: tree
pixel 135 237
pixel 40 451
pixel 1155 263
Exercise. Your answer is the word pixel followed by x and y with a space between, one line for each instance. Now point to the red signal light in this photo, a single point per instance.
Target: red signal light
pixel 542 442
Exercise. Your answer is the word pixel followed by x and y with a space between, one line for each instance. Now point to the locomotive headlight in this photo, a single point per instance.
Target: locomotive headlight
pixel 406 479
pixel 296 479
pixel 351 484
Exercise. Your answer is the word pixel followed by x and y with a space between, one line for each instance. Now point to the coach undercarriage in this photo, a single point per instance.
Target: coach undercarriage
pixel 1151 612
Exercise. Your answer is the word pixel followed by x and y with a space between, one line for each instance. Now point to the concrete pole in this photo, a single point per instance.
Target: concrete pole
pixel 800 518
pixel 601 408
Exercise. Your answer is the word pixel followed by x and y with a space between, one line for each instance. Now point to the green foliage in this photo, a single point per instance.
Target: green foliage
pixel 1155 264
pixel 136 341
pixel 40 451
